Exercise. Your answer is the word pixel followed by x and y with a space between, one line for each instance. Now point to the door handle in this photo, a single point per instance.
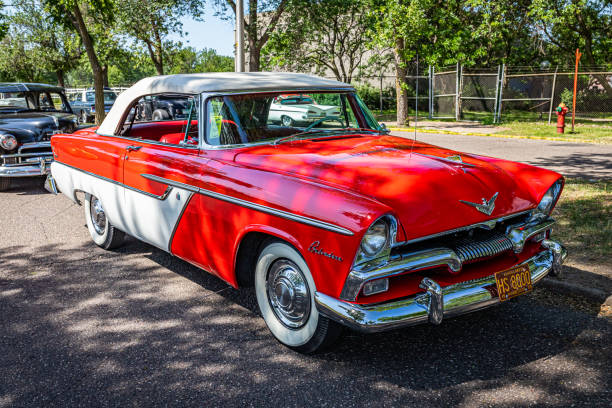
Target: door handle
pixel 133 148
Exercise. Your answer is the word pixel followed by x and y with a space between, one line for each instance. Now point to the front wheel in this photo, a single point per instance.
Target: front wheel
pixel 83 117
pixel 285 294
pixel 102 232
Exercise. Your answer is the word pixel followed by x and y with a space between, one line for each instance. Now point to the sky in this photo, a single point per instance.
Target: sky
pixel 211 33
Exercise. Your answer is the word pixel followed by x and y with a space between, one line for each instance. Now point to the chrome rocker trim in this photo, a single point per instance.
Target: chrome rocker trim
pixel 436 303
pixel 377 269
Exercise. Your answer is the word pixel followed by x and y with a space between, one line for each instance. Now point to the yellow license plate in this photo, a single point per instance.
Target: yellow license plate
pixel 513 282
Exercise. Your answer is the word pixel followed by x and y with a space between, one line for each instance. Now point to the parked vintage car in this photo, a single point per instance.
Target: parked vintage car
pixel 163 107
pixel 29 115
pixel 337 223
pixel 84 105
pixel 293 109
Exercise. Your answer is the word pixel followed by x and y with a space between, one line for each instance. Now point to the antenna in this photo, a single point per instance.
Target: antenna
pixel 416 99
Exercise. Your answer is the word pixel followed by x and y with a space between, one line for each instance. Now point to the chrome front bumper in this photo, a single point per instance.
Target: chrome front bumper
pixel 435 303
pixel 27 164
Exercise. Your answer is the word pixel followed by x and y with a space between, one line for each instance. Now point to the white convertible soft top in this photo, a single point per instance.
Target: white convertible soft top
pixel 214 82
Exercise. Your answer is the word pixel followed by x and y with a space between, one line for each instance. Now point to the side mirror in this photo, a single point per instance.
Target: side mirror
pixel 384 129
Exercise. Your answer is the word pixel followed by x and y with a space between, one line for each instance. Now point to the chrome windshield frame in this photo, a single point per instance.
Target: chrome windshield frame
pixel 206 96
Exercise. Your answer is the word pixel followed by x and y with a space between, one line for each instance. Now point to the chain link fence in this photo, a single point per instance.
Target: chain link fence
pixel 493 94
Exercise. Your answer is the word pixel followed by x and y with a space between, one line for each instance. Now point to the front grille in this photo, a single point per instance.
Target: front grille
pixel 469 244
pixel 469 249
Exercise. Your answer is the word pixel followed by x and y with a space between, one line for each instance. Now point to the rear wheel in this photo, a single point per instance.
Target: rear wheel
pixel 102 232
pixel 285 295
pixel 5 183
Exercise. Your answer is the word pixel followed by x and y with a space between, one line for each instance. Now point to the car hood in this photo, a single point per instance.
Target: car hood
pixel 417 181
pixel 32 126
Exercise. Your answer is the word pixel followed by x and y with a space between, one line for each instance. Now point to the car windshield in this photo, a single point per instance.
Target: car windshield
pixel 252 118
pixel 109 96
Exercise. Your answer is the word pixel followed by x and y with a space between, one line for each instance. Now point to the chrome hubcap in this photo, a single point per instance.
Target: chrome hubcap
pixel 288 293
pixel 98 218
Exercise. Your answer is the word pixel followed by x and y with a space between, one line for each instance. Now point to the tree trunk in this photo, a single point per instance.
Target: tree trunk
pixel 60 78
pixel 254 58
pixel 157 62
pixel 400 83
pixel 105 75
pixel 96 68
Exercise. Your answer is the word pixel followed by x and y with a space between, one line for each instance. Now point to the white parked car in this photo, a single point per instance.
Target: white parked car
pixel 296 109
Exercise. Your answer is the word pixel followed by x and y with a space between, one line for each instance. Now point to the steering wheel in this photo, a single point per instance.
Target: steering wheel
pixel 318 122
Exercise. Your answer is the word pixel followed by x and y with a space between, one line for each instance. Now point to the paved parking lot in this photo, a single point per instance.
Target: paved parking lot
pixel 586 160
pixel 81 326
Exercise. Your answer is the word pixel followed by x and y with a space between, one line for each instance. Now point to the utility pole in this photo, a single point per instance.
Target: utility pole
pixel 239 36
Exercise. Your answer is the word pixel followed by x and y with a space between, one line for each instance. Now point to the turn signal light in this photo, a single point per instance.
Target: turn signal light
pixel 376 286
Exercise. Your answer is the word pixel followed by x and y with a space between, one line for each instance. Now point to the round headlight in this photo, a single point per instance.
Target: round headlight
pixel 550 198
pixel 8 142
pixel 375 238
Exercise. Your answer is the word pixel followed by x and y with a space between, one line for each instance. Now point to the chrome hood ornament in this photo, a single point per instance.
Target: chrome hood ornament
pixel 486 207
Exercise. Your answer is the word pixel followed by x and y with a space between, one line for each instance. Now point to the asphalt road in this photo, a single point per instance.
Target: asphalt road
pixel 80 326
pixel 586 160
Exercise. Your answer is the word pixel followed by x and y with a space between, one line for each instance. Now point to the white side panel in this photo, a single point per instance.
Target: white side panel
pixel 147 218
pixel 153 220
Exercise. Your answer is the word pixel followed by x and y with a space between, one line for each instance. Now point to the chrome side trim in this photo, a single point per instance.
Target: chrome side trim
pixel 413 261
pixel 161 197
pixel 254 206
pixel 453 300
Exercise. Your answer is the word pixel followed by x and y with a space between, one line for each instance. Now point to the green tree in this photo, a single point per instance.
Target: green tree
pixel 571 24
pixel 260 22
pixel 78 15
pixel 3 23
pixel 322 35
pixel 151 21
pixel 53 47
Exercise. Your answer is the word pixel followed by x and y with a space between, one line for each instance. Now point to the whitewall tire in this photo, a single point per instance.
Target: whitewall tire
pixel 102 232
pixel 285 294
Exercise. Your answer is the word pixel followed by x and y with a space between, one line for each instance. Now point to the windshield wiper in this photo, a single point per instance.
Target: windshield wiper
pixel 299 135
pixel 296 136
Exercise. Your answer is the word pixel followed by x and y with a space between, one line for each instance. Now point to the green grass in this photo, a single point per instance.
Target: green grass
pixel 601 133
pixel 584 219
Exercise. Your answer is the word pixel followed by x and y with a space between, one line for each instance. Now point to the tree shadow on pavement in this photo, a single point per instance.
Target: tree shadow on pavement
pixel 579 165
pixel 83 326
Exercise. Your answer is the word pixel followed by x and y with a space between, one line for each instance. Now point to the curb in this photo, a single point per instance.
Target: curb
pixel 451 132
pixel 594 294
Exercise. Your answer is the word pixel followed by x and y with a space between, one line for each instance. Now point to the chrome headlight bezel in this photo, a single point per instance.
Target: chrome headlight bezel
pixel 550 198
pixel 385 230
pixel 8 142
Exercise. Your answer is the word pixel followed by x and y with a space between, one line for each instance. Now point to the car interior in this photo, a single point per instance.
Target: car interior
pixel 150 120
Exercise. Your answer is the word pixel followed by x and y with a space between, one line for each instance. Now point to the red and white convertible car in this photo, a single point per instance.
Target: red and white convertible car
pixel 335 223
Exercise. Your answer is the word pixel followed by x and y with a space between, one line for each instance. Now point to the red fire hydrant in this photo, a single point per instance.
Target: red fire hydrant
pixel 561 111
